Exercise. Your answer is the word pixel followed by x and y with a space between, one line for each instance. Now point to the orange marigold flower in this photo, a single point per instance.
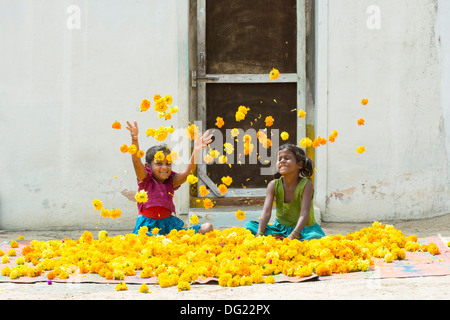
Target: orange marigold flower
pixel 203 191
pixel 192 132
pixel 223 188
pixel 132 149
pixel 240 215
pixel 124 148
pixel 145 104
pixel 140 153
pixel 219 122
pixel 360 121
pixel 207 203
pixel 116 125
pixel 269 121
pixel 364 102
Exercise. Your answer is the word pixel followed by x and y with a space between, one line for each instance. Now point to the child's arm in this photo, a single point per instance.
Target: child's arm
pixel 199 144
pixel 267 209
pixel 304 211
pixel 139 168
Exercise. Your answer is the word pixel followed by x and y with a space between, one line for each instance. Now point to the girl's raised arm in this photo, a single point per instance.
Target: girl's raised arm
pixel 139 168
pixel 267 208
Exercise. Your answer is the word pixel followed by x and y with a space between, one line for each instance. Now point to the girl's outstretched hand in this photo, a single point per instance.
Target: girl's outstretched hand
pixel 133 129
pixel 201 142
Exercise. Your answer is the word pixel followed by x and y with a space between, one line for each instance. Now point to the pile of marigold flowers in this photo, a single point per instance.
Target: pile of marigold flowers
pixel 233 256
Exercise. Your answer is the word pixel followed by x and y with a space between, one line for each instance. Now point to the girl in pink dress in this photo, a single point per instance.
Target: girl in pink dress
pixel 160 183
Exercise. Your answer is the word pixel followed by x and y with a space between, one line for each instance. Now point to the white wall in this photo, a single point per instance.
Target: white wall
pixel 60 91
pixel 403 69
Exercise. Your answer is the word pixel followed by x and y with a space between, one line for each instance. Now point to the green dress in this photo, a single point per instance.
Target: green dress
pixel 287 215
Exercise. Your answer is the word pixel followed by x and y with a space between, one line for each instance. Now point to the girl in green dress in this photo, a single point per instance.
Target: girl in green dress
pixel 293 192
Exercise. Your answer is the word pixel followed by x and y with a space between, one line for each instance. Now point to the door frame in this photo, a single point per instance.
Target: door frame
pixel 199 79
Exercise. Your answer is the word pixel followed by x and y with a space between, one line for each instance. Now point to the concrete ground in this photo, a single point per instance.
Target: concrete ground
pixel 429 288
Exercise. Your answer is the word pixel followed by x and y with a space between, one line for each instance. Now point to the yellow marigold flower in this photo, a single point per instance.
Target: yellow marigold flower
pixel 161 105
pixel 269 121
pixel 143 288
pixel 284 135
pixel 14 244
pixel 234 132
pixel 173 110
pixel 274 74
pixel 207 203
pixel 141 196
pixel 20 260
pixel 269 280
pixel 301 113
pixel 159 156
pixel 240 215
pixel 389 257
pixel 168 99
pixel 222 159
pixel 11 253
pixel 360 149
pixel 227 180
pixel 223 188
pixel 239 116
pixel 155 231
pixel 193 219
pixel 102 235
pixel 234 281
pixel 219 122
pixel 143 230
pixel 14 274
pixel 132 149
pixel 183 286
pixel 191 179
pixel 150 132
pixel 145 104
pixel 156 97
pixel 118 274
pixel 306 142
pixel 228 147
pixel 122 286
pixel 5 260
pixel 20 237
pixel 245 281
pixel 98 205
pixel 224 278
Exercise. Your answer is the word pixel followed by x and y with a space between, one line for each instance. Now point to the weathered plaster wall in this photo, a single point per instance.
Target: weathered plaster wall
pixel 61 88
pixel 402 66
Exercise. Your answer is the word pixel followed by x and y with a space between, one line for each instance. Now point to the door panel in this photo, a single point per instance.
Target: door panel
pixel 264 99
pixel 251 36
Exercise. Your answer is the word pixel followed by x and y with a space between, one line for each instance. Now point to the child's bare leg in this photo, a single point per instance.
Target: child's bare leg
pixel 205 227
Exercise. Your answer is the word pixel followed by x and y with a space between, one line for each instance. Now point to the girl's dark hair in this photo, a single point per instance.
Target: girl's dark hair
pixel 308 165
pixel 150 154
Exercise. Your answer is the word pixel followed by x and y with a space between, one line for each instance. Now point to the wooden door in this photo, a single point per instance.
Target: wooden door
pixel 238 44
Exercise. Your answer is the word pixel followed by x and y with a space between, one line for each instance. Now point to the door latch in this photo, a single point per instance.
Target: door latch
pixel 195 78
